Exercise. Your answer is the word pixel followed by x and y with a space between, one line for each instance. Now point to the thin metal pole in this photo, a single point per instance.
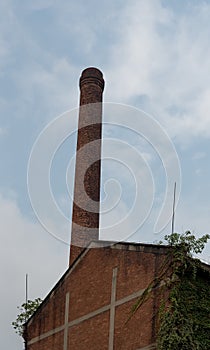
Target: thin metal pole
pixel 26 290
pixel 173 214
pixel 26 307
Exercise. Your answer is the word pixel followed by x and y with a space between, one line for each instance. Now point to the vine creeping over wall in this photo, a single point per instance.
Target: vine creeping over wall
pixel 184 288
pixel 185 322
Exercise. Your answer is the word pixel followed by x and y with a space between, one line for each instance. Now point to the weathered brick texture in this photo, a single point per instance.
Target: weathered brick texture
pixel 85 225
pixel 89 282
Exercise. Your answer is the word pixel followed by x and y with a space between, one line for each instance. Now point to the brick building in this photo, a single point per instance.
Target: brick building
pixel 89 307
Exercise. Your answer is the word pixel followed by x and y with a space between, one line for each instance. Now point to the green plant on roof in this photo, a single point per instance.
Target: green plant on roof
pixel 26 310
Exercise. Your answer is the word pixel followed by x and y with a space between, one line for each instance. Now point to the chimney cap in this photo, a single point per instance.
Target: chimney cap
pixel 92 75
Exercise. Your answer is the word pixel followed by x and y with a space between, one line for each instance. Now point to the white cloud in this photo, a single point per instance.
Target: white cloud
pixel 41 80
pixel 165 55
pixel 25 248
pixel 50 86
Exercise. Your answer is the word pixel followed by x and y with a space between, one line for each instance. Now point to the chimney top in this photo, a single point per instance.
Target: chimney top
pixel 92 75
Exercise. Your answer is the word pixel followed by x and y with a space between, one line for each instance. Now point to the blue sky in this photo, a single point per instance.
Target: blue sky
pixel 155 57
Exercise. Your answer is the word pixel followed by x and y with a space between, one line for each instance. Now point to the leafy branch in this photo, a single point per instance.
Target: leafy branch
pixel 26 310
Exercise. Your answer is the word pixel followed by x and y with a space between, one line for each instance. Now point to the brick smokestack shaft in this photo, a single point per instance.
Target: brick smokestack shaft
pixel 85 217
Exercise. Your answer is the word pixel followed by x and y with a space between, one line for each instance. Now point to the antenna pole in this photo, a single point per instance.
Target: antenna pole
pixel 173 214
pixel 26 307
pixel 26 290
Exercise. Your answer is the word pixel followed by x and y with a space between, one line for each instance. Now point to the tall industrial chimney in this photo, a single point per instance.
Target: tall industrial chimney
pixel 85 217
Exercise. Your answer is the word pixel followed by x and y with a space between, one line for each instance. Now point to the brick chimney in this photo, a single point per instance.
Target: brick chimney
pixel 85 217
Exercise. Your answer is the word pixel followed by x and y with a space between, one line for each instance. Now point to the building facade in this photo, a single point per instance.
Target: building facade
pixel 90 307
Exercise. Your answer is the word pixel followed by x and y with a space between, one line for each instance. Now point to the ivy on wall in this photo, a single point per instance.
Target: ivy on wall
pixel 184 289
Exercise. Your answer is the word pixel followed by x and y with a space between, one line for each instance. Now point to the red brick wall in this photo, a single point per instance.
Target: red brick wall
pixel 89 284
pixel 55 342
pixel 93 334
